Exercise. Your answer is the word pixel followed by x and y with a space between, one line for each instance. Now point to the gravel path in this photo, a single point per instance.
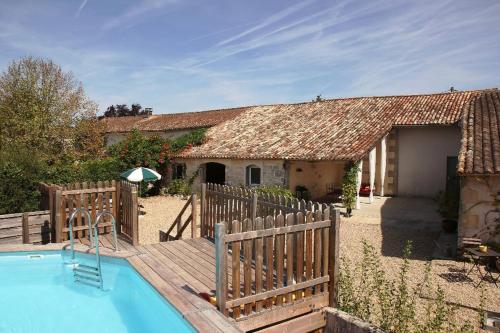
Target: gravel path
pixel 448 274
pixel 159 213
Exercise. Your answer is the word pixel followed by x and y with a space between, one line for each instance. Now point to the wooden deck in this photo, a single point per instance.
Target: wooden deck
pixel 178 270
pixel 191 260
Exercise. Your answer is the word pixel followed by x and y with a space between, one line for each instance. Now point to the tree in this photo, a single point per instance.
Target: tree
pixel 122 110
pixel 136 109
pixel 318 99
pixel 44 108
pixel 110 111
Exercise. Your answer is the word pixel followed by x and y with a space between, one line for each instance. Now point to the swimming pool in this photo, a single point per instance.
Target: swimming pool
pixel 38 294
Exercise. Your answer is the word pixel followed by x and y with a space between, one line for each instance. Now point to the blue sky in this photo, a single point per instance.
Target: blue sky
pixel 188 55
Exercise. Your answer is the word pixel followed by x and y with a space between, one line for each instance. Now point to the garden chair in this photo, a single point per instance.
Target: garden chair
pixel 469 243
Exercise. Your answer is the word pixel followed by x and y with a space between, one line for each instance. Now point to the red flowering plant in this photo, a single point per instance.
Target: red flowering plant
pixel 152 152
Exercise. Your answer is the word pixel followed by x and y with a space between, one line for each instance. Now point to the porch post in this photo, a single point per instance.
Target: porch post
pixel 372 159
pixel 360 175
pixel 383 160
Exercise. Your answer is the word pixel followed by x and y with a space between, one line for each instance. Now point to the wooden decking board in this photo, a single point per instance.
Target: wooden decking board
pixel 208 264
pixel 177 283
pixel 192 271
pixel 160 285
pixel 186 276
pixel 207 247
pixel 194 260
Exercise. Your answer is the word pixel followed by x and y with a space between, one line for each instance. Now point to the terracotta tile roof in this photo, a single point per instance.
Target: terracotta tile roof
pixel 480 150
pixel 337 129
pixel 172 121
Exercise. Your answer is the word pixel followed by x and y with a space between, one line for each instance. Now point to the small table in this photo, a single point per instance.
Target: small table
pixel 478 257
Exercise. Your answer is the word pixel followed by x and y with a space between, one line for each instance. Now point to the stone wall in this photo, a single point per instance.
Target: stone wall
pixel 477 205
pixel 339 322
pixel 272 171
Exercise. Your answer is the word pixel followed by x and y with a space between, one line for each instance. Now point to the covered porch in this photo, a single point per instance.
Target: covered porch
pixel 322 180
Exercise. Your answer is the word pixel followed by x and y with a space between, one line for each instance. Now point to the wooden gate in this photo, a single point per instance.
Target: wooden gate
pixel 119 198
pixel 289 266
pixel 129 211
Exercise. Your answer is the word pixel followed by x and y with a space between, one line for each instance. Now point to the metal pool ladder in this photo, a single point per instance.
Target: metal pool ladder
pixel 87 274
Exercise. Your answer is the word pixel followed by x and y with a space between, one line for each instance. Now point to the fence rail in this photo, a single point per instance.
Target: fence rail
pixel 25 228
pixel 277 264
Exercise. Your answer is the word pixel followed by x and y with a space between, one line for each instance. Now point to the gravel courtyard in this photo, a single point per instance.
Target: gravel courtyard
pixel 159 213
pixel 449 274
pixel 386 224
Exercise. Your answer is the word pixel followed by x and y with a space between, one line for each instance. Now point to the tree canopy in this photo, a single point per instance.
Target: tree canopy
pixel 122 110
pixel 46 109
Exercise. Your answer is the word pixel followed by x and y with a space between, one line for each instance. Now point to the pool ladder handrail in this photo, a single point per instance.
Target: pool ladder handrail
pixel 113 228
pixel 94 243
pixel 71 237
pixel 95 226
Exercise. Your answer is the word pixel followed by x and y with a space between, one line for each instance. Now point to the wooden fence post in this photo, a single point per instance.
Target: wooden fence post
pixel 135 216
pixel 52 215
pixel 118 207
pixel 194 215
pixel 58 218
pixel 334 258
pixel 254 205
pixel 203 209
pixel 220 267
pixel 26 228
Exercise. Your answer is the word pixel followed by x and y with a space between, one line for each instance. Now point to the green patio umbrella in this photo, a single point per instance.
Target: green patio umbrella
pixel 137 175
pixel 140 174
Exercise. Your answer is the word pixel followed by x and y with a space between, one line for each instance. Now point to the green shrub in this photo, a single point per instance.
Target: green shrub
pixel 18 191
pixel 350 185
pixel 367 292
pixel 191 139
pixel 182 186
pixel 178 187
pixel 274 190
pixel 20 172
pixel 139 150
pixel 64 171
pixel 99 170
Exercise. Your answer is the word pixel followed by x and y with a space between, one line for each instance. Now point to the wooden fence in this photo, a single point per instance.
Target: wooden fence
pixel 289 266
pixel 119 198
pixel 179 224
pixel 25 228
pixel 228 203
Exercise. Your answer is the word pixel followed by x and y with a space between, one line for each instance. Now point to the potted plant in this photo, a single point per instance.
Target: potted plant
pixel 350 187
pixel 448 208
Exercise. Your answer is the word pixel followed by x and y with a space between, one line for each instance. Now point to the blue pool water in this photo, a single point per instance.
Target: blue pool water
pixel 38 294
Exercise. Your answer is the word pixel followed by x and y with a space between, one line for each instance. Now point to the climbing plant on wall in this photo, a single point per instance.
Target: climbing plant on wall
pixel 350 186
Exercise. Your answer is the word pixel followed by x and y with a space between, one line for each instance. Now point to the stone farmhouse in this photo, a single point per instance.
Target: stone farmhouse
pixel 414 146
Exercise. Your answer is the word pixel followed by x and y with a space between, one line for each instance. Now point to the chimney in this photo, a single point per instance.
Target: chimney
pixel 148 111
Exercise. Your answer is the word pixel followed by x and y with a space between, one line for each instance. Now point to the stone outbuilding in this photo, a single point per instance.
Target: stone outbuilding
pixel 479 169
pixel 407 145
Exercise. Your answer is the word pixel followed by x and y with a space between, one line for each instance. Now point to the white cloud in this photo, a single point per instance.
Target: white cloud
pixel 79 11
pixel 137 13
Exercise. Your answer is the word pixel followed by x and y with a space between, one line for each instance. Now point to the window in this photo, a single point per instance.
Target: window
pixel 253 175
pixel 179 171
